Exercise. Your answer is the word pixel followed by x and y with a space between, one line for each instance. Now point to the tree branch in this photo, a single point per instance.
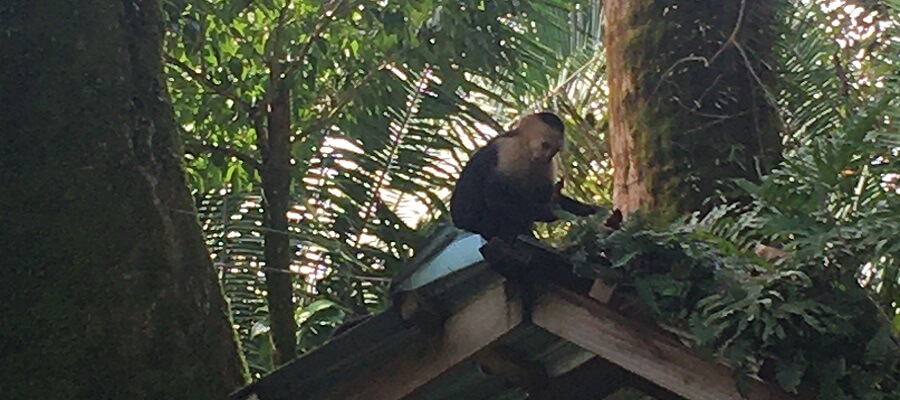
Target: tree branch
pixel 318 27
pixel 348 95
pixel 274 41
pixel 730 41
pixel 226 150
pixel 204 81
pixel 732 38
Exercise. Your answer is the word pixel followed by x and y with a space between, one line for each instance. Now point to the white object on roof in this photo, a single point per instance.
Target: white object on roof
pixel 458 254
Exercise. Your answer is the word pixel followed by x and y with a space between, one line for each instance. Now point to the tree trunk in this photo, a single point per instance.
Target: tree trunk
pixel 688 104
pixel 106 288
pixel 276 182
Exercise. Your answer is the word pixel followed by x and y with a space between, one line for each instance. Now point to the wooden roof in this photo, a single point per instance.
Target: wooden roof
pixel 517 325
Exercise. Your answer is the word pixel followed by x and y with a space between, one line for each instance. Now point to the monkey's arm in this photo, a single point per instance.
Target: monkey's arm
pixel 502 196
pixel 576 207
pixel 571 205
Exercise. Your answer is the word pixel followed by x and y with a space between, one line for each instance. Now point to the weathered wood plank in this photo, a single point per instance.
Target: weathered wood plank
pixel 641 349
pixel 601 291
pixel 310 373
pixel 487 318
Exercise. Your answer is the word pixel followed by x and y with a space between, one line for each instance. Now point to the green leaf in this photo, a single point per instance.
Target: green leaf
pixel 318 305
pixel 881 347
pixel 259 328
pixel 790 371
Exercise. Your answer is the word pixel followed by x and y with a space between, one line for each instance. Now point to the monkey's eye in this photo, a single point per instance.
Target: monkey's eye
pixel 546 146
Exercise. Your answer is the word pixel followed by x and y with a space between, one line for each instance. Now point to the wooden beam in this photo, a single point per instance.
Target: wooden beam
pixel 649 388
pixel 601 291
pixel 597 379
pixel 527 260
pixel 418 310
pixel 516 369
pixel 307 374
pixel 487 318
pixel 592 380
pixel 644 350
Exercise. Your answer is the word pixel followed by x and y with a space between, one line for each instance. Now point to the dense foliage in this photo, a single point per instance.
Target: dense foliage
pixel 772 318
pixel 820 314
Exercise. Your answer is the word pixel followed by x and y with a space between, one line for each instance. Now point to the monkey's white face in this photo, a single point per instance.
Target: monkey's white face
pixel 543 141
pixel 528 155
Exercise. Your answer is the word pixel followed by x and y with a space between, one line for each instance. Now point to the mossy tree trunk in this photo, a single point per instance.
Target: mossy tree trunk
pixel 106 288
pixel 688 103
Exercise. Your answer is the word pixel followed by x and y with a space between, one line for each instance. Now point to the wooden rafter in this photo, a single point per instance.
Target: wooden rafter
pixel 640 349
pixel 483 321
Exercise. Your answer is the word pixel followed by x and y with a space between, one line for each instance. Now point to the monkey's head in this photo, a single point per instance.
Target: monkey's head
pixel 543 134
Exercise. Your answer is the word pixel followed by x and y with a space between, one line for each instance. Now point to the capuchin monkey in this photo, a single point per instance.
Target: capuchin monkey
pixel 508 184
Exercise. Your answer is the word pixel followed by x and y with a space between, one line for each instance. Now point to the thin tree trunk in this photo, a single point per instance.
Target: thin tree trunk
pixel 688 105
pixel 276 181
pixel 106 288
